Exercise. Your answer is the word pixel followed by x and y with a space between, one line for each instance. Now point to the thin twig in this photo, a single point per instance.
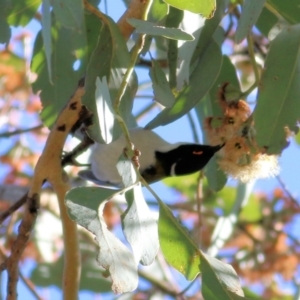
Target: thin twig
pixel 285 188
pixel 193 127
pixel 199 207
pixel 20 131
pixel 30 286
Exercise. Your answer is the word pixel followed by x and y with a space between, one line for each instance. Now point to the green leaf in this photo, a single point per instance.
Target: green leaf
pixel 178 248
pixel 204 7
pixel 140 227
pixel 279 91
pixel 290 12
pixel 208 30
pixel 173 19
pixel 110 59
pixel 5 31
pixel 201 80
pixel 219 280
pixel 154 29
pixel 91 277
pixel 22 12
pixel 85 207
pixel 158 11
pixel 46 33
pixel 55 96
pixel 69 13
pixel 161 88
pixel 266 22
pixel 250 12
pixel 104 109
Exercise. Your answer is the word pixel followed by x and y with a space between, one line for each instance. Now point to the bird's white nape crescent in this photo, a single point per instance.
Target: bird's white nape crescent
pixel 159 159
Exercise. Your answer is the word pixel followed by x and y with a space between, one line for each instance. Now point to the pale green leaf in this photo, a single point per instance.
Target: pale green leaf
pixel 173 19
pixel 158 11
pixel 69 13
pixel 178 248
pixel 266 22
pixel 279 91
pixel 250 12
pixel 91 277
pixel 46 34
pixel 104 109
pixel 290 12
pixel 206 72
pixel 161 87
pixel 110 59
pixel 55 96
pixel 22 12
pixel 5 31
pixel 209 29
pixel 140 227
pixel 204 7
pixel 219 280
pixel 85 207
pixel 154 29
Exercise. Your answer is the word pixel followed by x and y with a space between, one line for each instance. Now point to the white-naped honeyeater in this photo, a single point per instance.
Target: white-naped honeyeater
pixel 159 159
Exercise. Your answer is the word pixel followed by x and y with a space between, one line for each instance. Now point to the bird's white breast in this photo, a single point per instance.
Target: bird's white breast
pixel 105 157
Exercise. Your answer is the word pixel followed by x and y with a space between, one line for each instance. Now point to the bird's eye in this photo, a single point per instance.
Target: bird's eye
pixel 197 152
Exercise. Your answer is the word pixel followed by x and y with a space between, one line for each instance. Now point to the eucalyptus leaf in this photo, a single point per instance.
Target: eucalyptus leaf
pixel 290 12
pixel 174 18
pixel 5 31
pixel 110 59
pixel 105 110
pixel 201 81
pixel 70 14
pixel 219 280
pixel 279 91
pixel 250 12
pixel 161 88
pixel 178 248
pixel 266 21
pixel 64 79
pixel 140 227
pixel 204 7
pixel 46 34
pixel 158 11
pixel 85 207
pixel 22 12
pixel 91 278
pixel 154 29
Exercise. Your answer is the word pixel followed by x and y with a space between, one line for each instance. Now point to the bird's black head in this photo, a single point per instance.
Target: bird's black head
pixel 186 159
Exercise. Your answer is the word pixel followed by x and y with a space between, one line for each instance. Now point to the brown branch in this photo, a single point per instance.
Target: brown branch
pixel 49 168
pixel 136 9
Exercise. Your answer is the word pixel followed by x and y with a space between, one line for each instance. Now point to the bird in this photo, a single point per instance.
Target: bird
pixel 159 159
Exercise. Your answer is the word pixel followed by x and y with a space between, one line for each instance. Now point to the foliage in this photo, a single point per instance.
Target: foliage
pixel 233 238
